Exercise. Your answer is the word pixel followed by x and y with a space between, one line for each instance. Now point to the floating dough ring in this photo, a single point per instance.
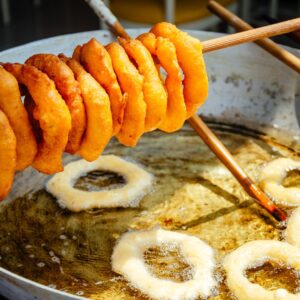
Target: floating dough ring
pixel 292 233
pixel 128 260
pixel 272 176
pixel 138 183
pixel 255 253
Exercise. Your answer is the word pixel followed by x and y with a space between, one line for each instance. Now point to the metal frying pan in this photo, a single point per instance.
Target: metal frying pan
pixel 248 89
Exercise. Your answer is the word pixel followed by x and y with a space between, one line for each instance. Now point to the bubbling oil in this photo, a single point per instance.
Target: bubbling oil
pixel 100 180
pixel 292 179
pixel 193 194
pixel 273 276
pixel 167 262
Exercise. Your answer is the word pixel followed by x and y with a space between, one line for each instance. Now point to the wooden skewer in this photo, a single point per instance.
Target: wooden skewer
pixel 267 44
pixel 227 159
pixel 195 121
pixel 251 35
pixel 294 35
pixel 120 30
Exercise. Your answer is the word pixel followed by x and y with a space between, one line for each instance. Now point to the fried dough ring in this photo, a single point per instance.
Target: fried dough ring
pixel 162 49
pixel 11 105
pixel 189 53
pixel 131 83
pixel 138 184
pixel 128 260
pixel 292 232
pixel 271 178
pixel 97 62
pixel 68 87
pixel 99 119
pixel 255 253
pixel 154 92
pixel 8 155
pixel 52 113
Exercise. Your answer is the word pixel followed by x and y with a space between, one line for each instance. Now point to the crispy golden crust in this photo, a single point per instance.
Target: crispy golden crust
pixel 51 112
pixel 164 51
pixel 77 53
pixel 131 83
pixel 11 105
pixel 8 155
pixel 69 89
pixel 99 119
pixel 189 53
pixel 154 92
pixel 97 62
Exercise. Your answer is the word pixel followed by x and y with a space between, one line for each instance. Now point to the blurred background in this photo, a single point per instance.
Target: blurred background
pixel 22 21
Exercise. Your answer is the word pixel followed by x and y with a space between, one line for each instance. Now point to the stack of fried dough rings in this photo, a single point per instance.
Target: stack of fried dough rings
pixel 77 104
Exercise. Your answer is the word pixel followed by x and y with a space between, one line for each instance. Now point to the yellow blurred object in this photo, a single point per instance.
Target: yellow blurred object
pixel 153 11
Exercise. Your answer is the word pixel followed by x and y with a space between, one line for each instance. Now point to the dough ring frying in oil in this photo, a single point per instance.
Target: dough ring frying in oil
pixel 138 183
pixel 128 260
pixel 271 178
pixel 256 253
pixel 292 232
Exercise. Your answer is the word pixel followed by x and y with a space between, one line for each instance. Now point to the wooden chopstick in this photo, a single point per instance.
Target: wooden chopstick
pixel 294 35
pixel 227 159
pixel 195 121
pixel 267 44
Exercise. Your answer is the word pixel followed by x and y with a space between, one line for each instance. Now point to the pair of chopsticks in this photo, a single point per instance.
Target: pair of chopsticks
pixel 195 121
pixel 286 57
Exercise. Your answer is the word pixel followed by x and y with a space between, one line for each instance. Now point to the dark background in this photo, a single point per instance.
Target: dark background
pixel 31 22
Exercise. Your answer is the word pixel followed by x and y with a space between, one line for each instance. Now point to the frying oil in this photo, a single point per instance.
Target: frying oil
pixel 193 193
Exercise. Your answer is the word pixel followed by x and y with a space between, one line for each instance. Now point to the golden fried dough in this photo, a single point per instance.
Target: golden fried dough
pixel 189 53
pixel 8 155
pixel 97 62
pixel 52 113
pixel 131 83
pixel 77 104
pixel 155 95
pixel 164 51
pixel 11 105
pixel 77 53
pixel 99 118
pixel 68 87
